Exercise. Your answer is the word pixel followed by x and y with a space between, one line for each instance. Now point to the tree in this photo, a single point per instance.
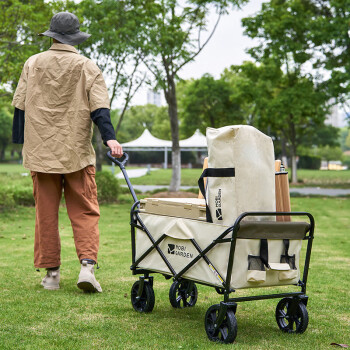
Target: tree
pixel 299 109
pixel 5 130
pixel 330 153
pixel 324 135
pixel 344 139
pixel 330 36
pixel 149 116
pixel 300 101
pixel 347 141
pixel 254 86
pixel 207 102
pixel 172 37
pixel 290 110
pixel 20 23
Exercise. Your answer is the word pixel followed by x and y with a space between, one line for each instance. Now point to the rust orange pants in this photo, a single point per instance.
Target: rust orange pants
pixel 80 193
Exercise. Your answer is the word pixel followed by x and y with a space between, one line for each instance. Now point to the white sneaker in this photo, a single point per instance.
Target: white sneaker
pixel 52 280
pixel 87 280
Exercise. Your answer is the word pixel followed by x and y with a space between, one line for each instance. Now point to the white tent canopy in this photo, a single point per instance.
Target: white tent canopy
pixel 148 142
pixel 197 140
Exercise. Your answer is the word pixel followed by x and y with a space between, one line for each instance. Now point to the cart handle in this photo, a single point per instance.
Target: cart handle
pixel 119 161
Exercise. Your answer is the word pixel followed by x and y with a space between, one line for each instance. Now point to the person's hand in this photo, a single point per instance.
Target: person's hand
pixel 116 148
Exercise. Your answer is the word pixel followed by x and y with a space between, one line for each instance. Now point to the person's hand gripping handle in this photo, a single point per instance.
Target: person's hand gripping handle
pixel 116 148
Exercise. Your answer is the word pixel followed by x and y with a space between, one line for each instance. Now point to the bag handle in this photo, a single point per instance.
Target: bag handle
pixel 213 172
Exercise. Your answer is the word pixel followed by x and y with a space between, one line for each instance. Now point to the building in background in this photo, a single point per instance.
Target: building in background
pixel 336 117
pixel 154 97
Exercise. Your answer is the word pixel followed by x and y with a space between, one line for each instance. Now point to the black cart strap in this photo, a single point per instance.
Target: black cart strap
pixel 286 250
pixel 286 247
pixel 213 172
pixel 264 252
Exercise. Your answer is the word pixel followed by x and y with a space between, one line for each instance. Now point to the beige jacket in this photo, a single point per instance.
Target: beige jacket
pixel 58 89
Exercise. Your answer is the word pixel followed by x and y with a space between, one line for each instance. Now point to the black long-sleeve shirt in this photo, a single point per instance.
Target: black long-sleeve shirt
pixel 101 117
pixel 18 126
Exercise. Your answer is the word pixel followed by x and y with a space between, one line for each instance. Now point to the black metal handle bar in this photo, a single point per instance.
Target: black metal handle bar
pixel 121 163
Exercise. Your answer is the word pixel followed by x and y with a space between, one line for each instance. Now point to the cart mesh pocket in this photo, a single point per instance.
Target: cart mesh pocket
pixel 290 274
pixel 256 270
pixel 255 263
pixel 289 259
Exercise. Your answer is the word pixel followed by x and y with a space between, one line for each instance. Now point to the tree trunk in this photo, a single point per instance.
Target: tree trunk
pixel 98 149
pixel 121 118
pixel 293 138
pixel 284 153
pixel 294 166
pixel 170 96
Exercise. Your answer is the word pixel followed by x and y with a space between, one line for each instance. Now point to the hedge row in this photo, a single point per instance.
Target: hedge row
pixel 108 191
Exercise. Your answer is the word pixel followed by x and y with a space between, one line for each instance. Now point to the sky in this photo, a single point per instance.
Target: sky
pixel 225 48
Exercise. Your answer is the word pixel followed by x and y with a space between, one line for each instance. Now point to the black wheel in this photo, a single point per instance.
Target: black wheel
pixel 144 303
pixel 183 294
pixel 227 331
pixel 292 316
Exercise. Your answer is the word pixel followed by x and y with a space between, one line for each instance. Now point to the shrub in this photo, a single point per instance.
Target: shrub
pixel 346 161
pixel 23 196
pixel 6 199
pixel 108 188
pixel 309 162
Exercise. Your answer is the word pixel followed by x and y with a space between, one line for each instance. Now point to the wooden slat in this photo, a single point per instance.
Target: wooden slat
pixel 282 192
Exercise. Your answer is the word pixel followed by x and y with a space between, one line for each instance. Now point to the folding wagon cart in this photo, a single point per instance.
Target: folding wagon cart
pixel 247 254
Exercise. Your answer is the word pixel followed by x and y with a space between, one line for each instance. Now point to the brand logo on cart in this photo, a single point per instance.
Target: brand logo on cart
pixel 218 205
pixel 180 250
pixel 171 248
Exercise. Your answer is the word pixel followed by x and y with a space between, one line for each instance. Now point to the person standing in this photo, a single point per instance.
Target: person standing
pixel 59 95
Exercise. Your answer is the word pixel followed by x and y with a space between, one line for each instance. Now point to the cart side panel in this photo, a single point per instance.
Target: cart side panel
pixel 251 247
pixel 180 252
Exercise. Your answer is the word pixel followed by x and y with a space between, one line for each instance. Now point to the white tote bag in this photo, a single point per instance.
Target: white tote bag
pixel 240 174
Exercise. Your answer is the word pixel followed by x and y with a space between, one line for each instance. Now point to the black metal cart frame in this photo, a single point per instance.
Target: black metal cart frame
pixel 291 314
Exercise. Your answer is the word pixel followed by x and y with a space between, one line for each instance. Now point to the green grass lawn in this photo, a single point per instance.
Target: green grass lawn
pixel 324 178
pixel 189 177
pixel 10 168
pixel 34 318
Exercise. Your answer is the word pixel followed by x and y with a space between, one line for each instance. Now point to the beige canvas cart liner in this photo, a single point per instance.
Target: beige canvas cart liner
pixel 192 208
pixel 179 250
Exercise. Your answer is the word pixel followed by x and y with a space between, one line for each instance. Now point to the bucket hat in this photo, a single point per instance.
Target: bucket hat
pixel 64 27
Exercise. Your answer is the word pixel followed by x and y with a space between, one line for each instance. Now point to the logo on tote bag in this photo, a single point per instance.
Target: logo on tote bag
pixel 219 214
pixel 218 205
